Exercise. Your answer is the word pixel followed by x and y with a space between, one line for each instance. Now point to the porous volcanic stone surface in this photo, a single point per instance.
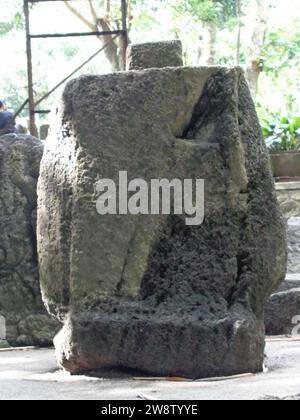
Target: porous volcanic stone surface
pixel 284 305
pixel 283 313
pixel 154 54
pixel 27 322
pixel 145 292
pixel 294 246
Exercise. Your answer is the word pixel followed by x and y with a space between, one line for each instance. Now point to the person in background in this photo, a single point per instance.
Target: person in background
pixel 7 123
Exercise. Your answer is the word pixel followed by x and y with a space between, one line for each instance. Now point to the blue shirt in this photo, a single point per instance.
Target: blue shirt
pixel 6 119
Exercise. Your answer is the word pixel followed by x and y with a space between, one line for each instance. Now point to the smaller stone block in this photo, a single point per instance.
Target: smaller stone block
pixel 154 55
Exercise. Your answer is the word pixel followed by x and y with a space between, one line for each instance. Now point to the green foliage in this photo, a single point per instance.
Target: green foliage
pixel 282 49
pixel 208 11
pixel 279 87
pixel 12 17
pixel 283 134
pixel 17 23
pixel 70 49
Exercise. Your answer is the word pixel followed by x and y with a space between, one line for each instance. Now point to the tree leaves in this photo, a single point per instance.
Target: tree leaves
pixel 14 20
pixel 281 47
pixel 208 11
pixel 16 23
pixel 283 135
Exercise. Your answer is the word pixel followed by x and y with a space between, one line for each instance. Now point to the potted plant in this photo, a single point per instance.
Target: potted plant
pixel 283 141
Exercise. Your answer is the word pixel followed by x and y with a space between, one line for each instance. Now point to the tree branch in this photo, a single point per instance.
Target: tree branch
pixel 255 67
pixel 111 50
pixel 129 14
pixel 93 11
pixel 238 46
pixel 76 13
pixel 108 7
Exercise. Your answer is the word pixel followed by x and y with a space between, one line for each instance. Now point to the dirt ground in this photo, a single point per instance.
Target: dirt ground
pixel 33 375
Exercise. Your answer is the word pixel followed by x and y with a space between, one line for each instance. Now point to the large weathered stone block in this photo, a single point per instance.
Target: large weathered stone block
pixel 148 292
pixel 20 297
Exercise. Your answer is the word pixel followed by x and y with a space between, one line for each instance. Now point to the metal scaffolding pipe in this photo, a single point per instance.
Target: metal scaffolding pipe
pixel 32 104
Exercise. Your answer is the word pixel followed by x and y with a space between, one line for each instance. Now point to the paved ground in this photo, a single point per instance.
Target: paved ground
pixel 32 375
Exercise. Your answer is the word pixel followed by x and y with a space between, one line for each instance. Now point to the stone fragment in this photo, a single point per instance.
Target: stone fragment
pixel 148 292
pixel 283 313
pixel 294 246
pixel 154 54
pixel 44 130
pixel 288 194
pixel 282 307
pixel 20 297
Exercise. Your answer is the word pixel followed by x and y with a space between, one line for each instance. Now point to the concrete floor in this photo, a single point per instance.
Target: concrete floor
pixel 32 375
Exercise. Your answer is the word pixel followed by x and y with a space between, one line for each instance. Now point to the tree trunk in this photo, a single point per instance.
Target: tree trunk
pixel 112 51
pixel 213 32
pixel 238 42
pixel 256 64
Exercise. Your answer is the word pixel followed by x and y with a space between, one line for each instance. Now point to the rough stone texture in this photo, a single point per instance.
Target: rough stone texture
pixel 294 245
pixel 27 322
pixel 288 194
pixel 154 54
pixel 44 130
pixel 21 129
pixel 285 304
pixel 2 328
pixel 280 311
pixel 286 165
pixel 292 281
pixel 4 344
pixel 148 292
